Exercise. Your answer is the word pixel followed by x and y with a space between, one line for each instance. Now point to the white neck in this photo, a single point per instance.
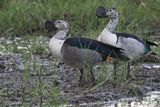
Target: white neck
pixel 107 35
pixel 112 24
pixel 62 34
pixel 57 41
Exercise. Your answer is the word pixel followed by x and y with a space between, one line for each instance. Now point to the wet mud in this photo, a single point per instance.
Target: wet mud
pixel 17 83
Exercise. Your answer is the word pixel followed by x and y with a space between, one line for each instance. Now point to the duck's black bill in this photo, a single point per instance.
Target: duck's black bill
pixel 50 26
pixel 101 12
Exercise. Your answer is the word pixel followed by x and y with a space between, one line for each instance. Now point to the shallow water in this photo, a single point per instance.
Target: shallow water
pixel 150 66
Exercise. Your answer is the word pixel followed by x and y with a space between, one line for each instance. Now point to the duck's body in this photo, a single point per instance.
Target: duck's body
pixel 80 52
pixel 87 51
pixel 133 46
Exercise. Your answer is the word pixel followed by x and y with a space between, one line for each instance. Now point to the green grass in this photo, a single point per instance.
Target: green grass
pixel 19 15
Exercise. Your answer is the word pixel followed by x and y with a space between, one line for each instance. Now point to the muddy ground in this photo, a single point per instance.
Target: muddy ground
pixel 20 85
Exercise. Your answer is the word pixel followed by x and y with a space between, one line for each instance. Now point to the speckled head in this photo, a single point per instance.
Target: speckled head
pixel 112 13
pixel 61 24
pixel 56 25
pixel 101 12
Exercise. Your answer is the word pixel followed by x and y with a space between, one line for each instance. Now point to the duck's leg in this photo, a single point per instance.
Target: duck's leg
pixel 93 80
pixel 58 63
pixel 129 69
pixel 114 68
pixel 81 77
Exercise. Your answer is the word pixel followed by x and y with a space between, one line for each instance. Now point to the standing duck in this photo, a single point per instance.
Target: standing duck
pixel 134 47
pixel 77 51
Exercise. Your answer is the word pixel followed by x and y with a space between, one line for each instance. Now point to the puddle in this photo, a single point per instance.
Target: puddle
pixel 152 99
pixel 150 66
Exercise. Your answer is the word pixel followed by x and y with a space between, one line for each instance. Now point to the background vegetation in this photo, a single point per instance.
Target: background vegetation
pixel 19 16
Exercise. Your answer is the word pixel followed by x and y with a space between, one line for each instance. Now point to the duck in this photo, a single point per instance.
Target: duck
pixel 134 47
pixel 79 52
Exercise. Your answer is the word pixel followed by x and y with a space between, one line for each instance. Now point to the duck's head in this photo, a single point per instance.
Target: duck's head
pixel 56 25
pixel 112 13
pixel 101 12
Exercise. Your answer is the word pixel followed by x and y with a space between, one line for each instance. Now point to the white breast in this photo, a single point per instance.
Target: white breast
pixel 107 37
pixel 55 46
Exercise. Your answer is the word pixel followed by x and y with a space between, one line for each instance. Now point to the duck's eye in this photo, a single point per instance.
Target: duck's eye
pixel 59 22
pixel 110 10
